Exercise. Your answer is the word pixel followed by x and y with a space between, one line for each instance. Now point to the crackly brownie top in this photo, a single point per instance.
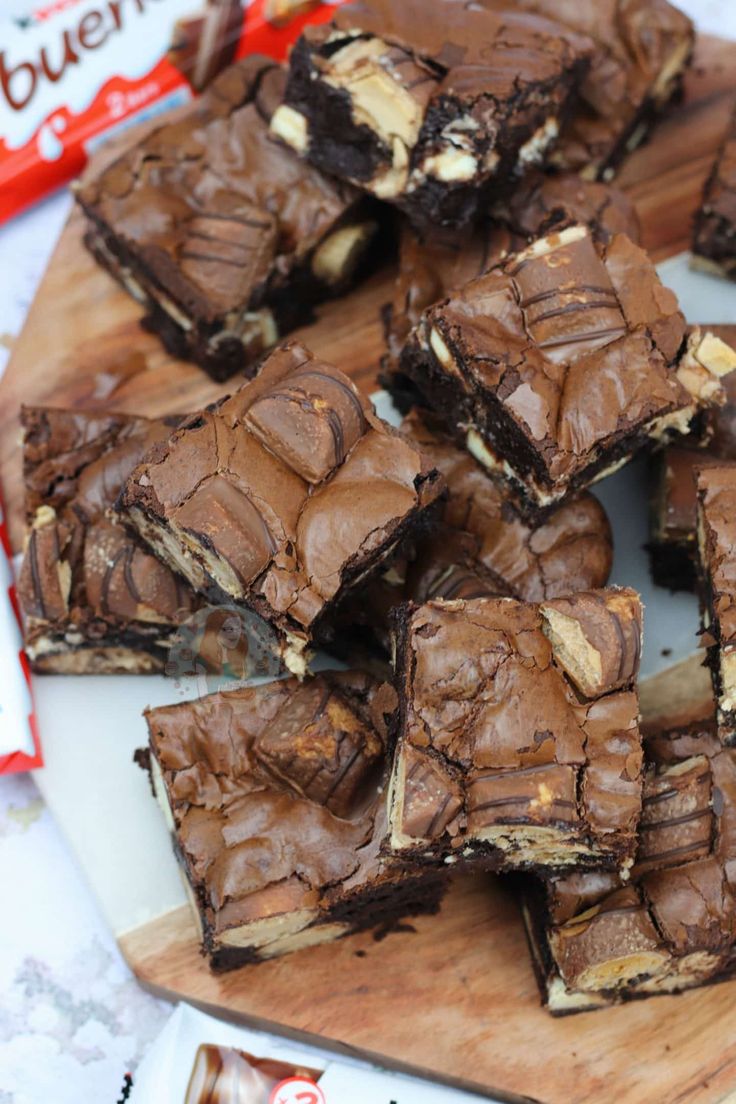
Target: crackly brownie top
pixel 639 49
pixel 433 263
pixel 287 486
pixel 680 900
pixel 274 789
pixel 570 550
pixel 210 201
pixel 463 42
pixel 717 503
pixel 521 713
pixel 577 342
pixel 80 565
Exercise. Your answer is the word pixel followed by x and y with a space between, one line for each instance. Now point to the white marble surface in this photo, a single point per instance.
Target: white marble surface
pixel 72 1018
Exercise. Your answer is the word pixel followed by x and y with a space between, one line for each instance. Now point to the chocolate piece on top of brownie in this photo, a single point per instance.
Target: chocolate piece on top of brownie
pixel 716 495
pixel 559 364
pixel 483 531
pixel 274 797
pixel 430 105
pixel 596 941
pixel 642 51
pixel 518 742
pixel 283 496
pixel 226 238
pixel 714 236
pixel 93 598
pixel 435 262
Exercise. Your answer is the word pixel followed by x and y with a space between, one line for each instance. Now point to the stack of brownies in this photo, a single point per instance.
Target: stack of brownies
pixel 488 718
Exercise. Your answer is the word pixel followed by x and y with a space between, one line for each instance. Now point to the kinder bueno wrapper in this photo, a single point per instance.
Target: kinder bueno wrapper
pixel 19 744
pixel 73 72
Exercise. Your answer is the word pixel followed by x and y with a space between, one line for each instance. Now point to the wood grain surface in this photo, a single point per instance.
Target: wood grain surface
pixel 457 998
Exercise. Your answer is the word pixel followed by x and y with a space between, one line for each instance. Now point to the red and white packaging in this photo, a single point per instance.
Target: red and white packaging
pixel 73 72
pixel 20 749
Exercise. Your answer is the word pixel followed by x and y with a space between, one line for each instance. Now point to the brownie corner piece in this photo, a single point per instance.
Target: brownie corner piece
pixel 714 232
pixel 518 743
pixel 716 538
pixel 598 940
pixel 283 496
pixel 430 105
pixel 274 798
pixel 225 238
pixel 562 362
pixel 92 597
pixel 642 52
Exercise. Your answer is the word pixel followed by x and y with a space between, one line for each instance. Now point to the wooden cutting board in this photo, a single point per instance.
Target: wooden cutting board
pixel 457 998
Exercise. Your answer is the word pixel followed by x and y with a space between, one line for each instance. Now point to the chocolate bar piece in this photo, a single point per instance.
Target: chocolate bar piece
pixel 205 43
pixel 597 941
pixel 437 261
pixel 716 493
pixel 93 598
pixel 226 238
pixel 642 51
pixel 562 362
pixel 283 496
pixel 274 798
pixel 518 743
pixel 714 238
pixel 430 105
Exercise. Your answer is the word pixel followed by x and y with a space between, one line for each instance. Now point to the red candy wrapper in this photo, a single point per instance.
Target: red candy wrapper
pixel 20 749
pixel 73 72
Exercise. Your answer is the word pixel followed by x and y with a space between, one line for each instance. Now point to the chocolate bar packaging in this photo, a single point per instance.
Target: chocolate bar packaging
pixel 74 74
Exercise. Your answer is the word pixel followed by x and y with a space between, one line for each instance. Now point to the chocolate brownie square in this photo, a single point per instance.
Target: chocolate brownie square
pixel 641 53
pixel 518 742
pixel 434 262
pixel 283 497
pixel 274 798
pixel 562 362
pixel 430 105
pixel 597 941
pixel 94 600
pixel 225 238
